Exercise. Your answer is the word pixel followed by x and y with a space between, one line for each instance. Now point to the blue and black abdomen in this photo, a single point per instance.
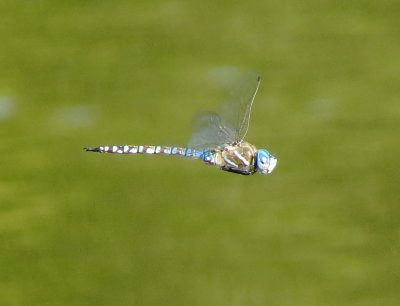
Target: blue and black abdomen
pixel 143 149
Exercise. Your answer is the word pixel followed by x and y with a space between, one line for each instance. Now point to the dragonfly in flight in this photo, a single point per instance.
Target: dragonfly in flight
pixel 218 137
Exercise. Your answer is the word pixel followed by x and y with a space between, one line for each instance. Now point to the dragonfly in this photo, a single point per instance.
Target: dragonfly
pixel 218 137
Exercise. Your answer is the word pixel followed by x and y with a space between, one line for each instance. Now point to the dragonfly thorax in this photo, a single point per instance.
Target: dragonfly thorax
pixel 238 158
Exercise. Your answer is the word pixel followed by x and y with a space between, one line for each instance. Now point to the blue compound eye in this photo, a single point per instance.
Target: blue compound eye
pixel 265 161
pixel 262 159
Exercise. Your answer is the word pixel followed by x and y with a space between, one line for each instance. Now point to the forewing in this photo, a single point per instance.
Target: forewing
pixel 236 111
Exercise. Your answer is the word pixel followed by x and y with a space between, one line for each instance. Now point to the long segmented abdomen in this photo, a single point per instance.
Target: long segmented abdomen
pixel 143 149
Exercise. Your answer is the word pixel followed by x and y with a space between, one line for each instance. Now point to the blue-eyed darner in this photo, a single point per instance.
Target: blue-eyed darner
pixel 218 137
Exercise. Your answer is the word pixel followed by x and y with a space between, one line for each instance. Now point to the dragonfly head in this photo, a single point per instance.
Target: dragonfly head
pixel 265 162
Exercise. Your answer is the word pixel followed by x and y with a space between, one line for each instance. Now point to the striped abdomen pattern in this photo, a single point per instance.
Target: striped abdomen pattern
pixel 143 149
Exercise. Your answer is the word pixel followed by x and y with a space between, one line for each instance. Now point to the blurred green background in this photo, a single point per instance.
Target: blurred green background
pixel 79 228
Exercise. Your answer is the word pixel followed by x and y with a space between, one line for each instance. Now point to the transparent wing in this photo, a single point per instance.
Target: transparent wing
pixel 210 131
pixel 231 123
pixel 237 110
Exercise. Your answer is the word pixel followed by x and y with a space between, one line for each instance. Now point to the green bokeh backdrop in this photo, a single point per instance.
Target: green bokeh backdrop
pixel 91 229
